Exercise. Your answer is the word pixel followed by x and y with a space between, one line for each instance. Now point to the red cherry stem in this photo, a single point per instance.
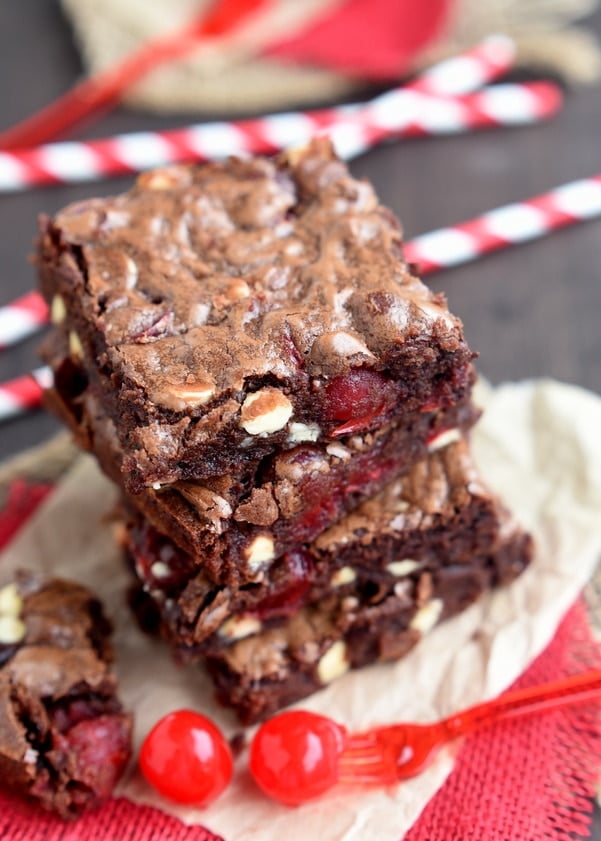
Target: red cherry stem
pixel 106 87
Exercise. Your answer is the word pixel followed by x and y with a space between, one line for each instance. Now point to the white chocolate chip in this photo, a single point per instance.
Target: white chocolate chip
pixel 11 602
pixel 303 432
pixel 238 627
pixel 427 616
pixel 159 180
pixel 260 552
pixel 341 297
pixel 238 289
pixel 131 273
pixel 342 576
pixel 75 345
pixel 156 486
pixel 334 663
pixel 356 442
pixel 295 154
pixel 58 310
pixel 338 451
pixel 294 248
pixel 30 757
pixel 195 394
pixel 199 314
pixel 433 312
pixel 402 568
pixel 160 570
pixel 12 630
pixel 402 590
pixel 283 229
pixel 345 344
pixel 449 436
pixel 265 411
pixel 349 604
pixel 116 219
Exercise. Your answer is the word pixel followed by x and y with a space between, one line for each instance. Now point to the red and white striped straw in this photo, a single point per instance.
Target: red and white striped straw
pixel 21 395
pixel 458 75
pixel 509 225
pixel 22 318
pixel 401 113
pixel 69 162
pixel 353 129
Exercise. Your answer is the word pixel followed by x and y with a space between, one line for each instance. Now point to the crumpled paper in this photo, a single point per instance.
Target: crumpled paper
pixel 538 446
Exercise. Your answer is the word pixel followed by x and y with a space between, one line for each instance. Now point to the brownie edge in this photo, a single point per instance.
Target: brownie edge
pixel 227 311
pixel 64 737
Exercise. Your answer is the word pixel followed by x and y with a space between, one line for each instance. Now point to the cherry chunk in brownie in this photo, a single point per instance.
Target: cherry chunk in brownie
pixel 226 311
pixel 64 737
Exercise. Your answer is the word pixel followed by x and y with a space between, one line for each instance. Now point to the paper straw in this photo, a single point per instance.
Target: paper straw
pixel 23 394
pixel 22 318
pixel 71 162
pixel 402 114
pixel 456 76
pixel 512 224
pixel 353 129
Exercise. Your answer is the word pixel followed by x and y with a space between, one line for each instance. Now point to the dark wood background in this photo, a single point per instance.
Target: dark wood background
pixel 533 311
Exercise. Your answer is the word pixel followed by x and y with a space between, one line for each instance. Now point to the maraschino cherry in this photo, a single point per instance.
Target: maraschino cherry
pixel 186 758
pixel 294 756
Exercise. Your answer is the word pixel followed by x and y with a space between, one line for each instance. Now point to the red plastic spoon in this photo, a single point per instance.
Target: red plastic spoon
pixel 298 755
pixel 107 87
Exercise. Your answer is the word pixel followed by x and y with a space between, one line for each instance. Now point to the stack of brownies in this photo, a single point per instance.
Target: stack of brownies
pixel 284 406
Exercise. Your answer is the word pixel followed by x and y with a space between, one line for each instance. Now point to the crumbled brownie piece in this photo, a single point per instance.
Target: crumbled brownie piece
pixel 227 311
pixel 64 737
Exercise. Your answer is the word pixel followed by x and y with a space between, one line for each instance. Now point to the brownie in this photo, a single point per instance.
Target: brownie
pixel 277 502
pixel 425 531
pixel 228 311
pixel 64 737
pixel 288 660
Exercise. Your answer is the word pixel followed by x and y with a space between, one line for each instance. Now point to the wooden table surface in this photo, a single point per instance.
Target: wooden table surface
pixel 533 311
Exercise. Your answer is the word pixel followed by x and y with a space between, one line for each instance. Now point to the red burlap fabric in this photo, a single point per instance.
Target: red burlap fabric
pixel 525 781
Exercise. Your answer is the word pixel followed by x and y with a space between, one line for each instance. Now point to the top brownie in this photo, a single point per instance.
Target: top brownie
pixel 228 310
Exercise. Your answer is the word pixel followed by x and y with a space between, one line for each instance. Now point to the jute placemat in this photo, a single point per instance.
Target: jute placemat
pixel 236 78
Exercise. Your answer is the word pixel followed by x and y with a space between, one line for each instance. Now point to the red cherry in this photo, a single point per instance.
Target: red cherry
pixel 148 547
pixel 99 748
pixel 359 394
pixel 296 568
pixel 294 756
pixel 186 758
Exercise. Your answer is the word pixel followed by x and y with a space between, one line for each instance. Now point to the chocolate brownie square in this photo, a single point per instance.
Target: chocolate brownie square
pixel 228 311
pixel 238 524
pixel 435 539
pixel 291 658
pixel 64 737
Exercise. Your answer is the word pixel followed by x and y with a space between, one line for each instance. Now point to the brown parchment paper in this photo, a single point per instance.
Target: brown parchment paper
pixel 538 446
